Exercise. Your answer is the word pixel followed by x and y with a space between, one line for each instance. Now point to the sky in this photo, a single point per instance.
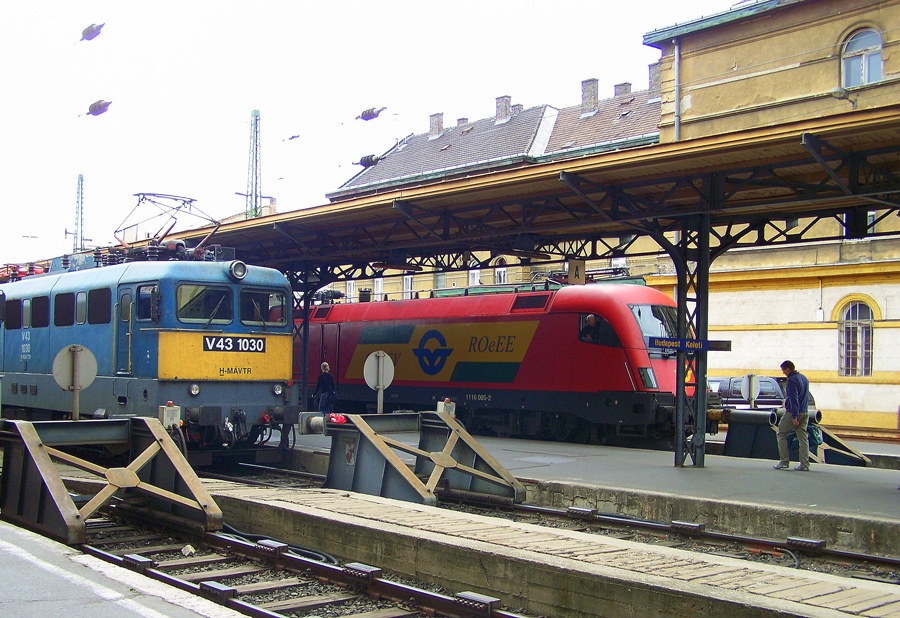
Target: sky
pixel 184 77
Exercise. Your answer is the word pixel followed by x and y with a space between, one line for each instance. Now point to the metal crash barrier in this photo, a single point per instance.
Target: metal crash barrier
pixel 449 463
pixel 157 481
pixel 752 433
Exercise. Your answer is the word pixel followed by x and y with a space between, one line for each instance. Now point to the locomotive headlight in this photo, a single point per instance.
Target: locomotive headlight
pixel 237 270
pixel 278 390
pixel 194 390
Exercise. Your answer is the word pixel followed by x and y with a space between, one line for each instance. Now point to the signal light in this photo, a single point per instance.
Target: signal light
pixel 237 270
pixel 340 419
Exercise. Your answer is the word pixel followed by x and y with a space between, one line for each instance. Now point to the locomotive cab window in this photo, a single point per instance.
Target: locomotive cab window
pixel 147 295
pixel 40 312
pixel 80 307
pixel 595 329
pixel 99 306
pixel 64 309
pixel 262 308
pixel 203 304
pixel 125 307
pixel 13 313
pixel 656 321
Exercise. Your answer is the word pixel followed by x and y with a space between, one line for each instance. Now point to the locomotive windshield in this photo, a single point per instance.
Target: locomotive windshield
pixel 656 321
pixel 262 308
pixel 203 304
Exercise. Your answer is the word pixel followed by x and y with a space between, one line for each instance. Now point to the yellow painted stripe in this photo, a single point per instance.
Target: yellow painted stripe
pixel 473 342
pixel 817 377
pixel 796 277
pixel 181 357
pixel 795 326
pixel 763 327
pixel 860 420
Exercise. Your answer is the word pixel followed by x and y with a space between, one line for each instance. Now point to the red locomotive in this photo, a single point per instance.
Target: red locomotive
pixel 571 363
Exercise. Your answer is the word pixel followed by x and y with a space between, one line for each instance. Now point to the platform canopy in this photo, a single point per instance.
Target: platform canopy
pixel 752 184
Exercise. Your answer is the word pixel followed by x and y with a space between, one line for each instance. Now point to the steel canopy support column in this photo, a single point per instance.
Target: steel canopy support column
pixel 304 346
pixel 306 283
pixel 692 266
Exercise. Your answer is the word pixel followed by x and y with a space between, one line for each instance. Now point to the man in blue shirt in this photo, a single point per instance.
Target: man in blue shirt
pixel 795 418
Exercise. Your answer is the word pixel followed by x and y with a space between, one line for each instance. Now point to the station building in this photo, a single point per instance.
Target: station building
pixel 831 306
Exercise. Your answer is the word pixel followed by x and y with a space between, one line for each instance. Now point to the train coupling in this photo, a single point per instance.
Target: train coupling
pixel 311 423
pixel 314 422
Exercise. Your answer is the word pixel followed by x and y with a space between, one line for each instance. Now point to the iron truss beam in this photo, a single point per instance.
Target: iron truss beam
pixel 584 218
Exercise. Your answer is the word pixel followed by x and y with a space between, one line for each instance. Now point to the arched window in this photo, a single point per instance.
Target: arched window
pixel 856 340
pixel 500 271
pixel 861 59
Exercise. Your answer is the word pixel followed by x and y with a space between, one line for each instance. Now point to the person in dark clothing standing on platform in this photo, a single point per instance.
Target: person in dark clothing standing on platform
pixel 325 389
pixel 795 418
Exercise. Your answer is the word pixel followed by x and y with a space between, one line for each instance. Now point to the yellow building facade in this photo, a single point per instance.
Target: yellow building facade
pixel 774 62
pixel 831 307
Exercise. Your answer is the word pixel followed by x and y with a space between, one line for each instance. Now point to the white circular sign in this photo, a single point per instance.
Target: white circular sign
pixel 746 381
pixel 370 370
pixel 85 366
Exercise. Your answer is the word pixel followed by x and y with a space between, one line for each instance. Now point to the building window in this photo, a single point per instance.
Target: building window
pixel 500 271
pixel 856 340
pixel 351 291
pixel 378 292
pixel 474 273
pixel 407 287
pixel 861 59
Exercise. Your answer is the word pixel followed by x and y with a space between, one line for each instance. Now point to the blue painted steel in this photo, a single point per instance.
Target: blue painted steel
pixel 126 346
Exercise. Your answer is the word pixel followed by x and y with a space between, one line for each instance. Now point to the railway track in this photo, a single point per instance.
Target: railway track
pixel 264 578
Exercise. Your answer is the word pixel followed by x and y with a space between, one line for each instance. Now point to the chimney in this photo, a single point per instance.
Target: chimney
pixel 516 109
pixel 655 77
pixel 503 110
pixel 623 88
pixel 462 122
pixel 437 125
pixel 589 92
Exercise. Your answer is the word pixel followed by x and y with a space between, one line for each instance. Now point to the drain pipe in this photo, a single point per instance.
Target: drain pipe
pixel 676 66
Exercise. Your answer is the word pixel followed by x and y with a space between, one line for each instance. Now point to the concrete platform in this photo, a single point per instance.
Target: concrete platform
pixel 541 570
pixel 848 507
pixel 44 578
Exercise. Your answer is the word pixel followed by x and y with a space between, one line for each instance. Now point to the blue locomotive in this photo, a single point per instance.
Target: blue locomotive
pixel 208 340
